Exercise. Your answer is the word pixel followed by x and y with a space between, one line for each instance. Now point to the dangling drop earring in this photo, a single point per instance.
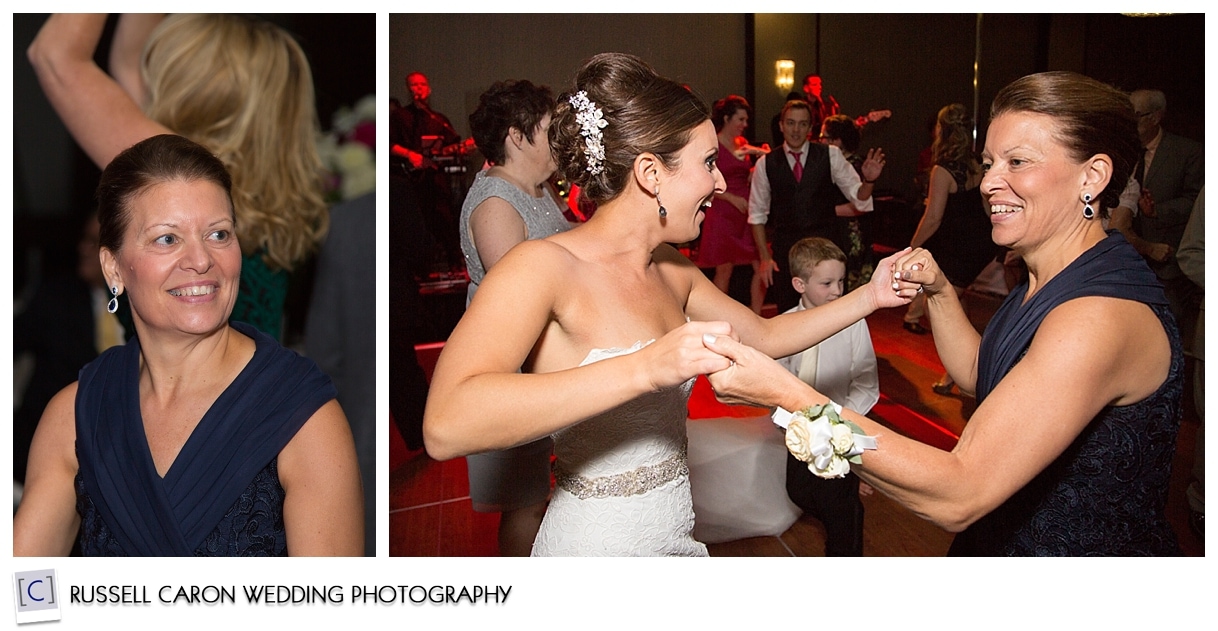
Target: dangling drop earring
pixel 112 306
pixel 663 211
pixel 1088 211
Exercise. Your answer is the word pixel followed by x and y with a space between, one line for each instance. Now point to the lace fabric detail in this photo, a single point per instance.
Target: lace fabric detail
pixel 634 482
pixel 642 434
pixel 253 526
pixel 1106 494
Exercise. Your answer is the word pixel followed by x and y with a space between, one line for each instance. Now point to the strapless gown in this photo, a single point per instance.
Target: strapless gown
pixel 623 480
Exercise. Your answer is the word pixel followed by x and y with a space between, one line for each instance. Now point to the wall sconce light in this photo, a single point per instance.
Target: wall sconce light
pixel 784 74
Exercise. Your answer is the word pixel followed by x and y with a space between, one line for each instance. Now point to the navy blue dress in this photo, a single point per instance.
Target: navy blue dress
pixel 221 496
pixel 1105 495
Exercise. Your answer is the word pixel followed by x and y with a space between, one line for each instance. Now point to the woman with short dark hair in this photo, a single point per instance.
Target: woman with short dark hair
pixel 508 203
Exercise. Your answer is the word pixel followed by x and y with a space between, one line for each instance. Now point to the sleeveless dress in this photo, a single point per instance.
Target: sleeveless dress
pixel 623 480
pixel 727 236
pixel 509 478
pixel 1106 494
pixel 221 496
pixel 962 245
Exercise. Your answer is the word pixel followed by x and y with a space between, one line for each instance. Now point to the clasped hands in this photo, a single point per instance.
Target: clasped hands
pixel 753 378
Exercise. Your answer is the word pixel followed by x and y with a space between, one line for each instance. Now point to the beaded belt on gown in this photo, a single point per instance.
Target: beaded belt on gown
pixel 634 482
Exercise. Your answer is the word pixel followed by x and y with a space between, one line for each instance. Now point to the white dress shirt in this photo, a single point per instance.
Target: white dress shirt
pixel 846 369
pixel 840 170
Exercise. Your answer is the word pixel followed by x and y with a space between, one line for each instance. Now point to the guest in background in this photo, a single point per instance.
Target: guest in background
pixel 239 86
pixel 776 134
pixel 727 239
pixel 1192 262
pixel 843 367
pixel 1171 172
pixel 1070 449
pixel 841 132
pixel 197 437
pixel 340 333
pixel 508 203
pixel 794 193
pixel 955 225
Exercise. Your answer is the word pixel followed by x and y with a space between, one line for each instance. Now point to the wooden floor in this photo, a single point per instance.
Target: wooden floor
pixel 430 512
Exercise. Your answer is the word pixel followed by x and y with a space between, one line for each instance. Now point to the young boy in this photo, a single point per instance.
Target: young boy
pixel 842 368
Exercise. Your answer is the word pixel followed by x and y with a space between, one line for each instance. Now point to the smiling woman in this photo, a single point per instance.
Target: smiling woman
pixel 1079 375
pixel 196 437
pixel 604 323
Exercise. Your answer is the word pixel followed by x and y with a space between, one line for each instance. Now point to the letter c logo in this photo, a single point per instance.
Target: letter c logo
pixel 29 591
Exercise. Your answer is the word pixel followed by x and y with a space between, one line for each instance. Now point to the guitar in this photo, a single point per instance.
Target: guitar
pixel 874 116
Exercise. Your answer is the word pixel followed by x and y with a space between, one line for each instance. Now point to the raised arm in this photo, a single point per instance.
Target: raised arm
pixel 1174 211
pixel 323 506
pixel 99 114
pixel 46 521
pixel 479 402
pixel 1071 372
pixel 956 340
pixel 130 36
pixel 856 190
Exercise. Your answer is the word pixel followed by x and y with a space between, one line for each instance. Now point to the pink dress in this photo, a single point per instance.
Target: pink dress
pixel 726 234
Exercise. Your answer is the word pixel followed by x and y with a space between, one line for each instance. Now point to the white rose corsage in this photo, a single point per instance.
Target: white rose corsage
pixel 819 436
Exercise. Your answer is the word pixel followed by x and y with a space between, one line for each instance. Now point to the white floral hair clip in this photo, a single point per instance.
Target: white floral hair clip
pixel 819 436
pixel 591 121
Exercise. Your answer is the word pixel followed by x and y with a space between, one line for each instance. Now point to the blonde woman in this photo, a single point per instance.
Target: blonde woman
pixel 239 86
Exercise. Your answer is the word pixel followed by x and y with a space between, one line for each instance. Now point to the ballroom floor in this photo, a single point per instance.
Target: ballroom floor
pixel 430 514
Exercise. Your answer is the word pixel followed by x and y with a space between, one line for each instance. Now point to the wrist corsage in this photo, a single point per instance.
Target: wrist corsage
pixel 819 436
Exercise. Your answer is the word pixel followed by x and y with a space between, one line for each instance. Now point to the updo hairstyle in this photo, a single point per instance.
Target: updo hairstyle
pixel 145 164
pixel 504 106
pixel 727 107
pixel 645 112
pixel 1091 118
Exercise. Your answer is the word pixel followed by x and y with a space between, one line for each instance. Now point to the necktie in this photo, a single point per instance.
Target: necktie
pixel 798 169
pixel 807 365
pixel 1139 171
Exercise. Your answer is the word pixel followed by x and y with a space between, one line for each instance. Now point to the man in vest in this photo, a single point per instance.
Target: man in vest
pixel 795 197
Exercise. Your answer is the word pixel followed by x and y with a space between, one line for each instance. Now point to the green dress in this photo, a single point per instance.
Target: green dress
pixel 261 298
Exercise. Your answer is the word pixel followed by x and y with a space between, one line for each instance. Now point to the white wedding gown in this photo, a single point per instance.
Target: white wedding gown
pixel 623 480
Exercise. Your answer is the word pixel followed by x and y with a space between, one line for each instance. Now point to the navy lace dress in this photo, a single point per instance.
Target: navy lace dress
pixel 221 496
pixel 1105 495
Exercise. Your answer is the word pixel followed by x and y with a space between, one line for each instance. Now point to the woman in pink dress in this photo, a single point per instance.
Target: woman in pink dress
pixel 727 239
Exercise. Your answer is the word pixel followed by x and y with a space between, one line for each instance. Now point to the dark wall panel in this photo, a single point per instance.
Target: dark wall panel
pixel 463 54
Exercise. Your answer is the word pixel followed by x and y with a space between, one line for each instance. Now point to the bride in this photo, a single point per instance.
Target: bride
pixel 606 321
